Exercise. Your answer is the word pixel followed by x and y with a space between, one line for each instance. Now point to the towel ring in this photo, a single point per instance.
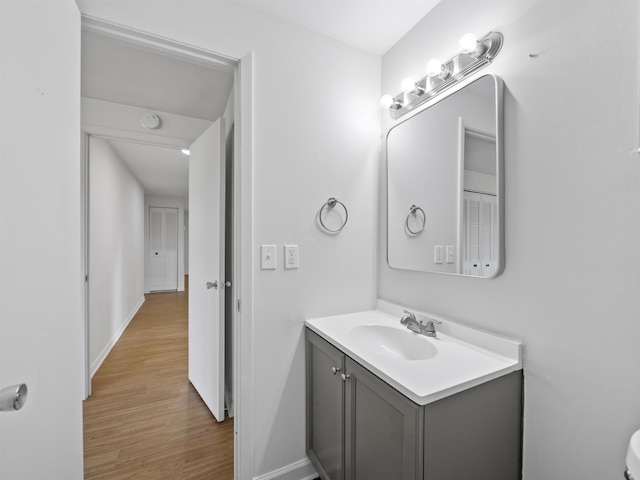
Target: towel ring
pixel 331 203
pixel 413 211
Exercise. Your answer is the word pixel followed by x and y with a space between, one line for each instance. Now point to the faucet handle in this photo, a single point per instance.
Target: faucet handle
pixel 408 317
pixel 433 320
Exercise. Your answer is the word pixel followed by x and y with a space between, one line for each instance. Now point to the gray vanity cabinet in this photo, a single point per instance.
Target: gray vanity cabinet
pixel 358 427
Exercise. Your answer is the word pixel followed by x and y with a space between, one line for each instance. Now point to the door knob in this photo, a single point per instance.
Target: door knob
pixel 13 397
pixel 213 285
pixel 227 283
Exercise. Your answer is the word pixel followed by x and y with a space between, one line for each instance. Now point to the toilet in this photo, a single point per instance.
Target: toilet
pixel 633 458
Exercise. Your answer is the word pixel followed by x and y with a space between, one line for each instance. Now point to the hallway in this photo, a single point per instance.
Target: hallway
pixel 144 419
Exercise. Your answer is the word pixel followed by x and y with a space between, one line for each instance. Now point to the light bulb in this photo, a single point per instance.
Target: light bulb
pixel 408 85
pixel 386 101
pixel 185 151
pixel 468 43
pixel 434 67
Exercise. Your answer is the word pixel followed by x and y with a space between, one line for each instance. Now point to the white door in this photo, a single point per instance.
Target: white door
pixel 206 267
pixel 41 327
pixel 163 249
pixel 480 234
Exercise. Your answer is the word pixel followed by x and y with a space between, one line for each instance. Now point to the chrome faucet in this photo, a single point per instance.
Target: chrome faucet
pixel 415 325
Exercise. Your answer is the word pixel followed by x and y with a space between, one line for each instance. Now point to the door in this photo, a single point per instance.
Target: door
pixel 41 328
pixel 206 267
pixel 163 249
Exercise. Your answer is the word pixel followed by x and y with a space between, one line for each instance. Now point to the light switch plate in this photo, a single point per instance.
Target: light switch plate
pixel 268 257
pixel 450 254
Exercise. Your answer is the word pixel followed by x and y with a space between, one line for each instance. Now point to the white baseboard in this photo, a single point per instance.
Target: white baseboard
pixel 114 339
pixel 302 470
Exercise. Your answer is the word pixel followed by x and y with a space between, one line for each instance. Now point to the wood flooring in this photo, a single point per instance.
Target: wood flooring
pixel 144 419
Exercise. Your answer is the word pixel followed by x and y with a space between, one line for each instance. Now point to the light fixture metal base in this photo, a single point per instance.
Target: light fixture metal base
pixel 459 67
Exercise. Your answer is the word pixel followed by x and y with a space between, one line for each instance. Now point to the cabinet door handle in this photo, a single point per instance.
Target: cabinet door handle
pixel 345 377
pixel 335 370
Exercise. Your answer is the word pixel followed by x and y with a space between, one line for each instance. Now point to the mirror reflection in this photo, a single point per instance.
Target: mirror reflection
pixel 444 185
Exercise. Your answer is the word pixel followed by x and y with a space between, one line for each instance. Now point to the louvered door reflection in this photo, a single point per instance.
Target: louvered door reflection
pixel 480 236
pixel 163 249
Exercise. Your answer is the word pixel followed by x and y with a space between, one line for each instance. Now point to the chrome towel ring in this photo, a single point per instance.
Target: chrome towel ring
pixel 329 204
pixel 413 212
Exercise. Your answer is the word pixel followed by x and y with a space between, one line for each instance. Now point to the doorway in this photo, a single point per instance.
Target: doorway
pixel 96 128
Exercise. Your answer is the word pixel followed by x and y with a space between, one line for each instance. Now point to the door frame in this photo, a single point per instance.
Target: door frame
pixel 242 290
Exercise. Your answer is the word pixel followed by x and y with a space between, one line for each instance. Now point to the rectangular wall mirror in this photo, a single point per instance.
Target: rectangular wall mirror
pixel 445 185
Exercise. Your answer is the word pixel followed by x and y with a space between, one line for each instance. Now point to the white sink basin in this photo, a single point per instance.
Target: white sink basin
pixel 392 342
pixel 633 455
pixel 424 369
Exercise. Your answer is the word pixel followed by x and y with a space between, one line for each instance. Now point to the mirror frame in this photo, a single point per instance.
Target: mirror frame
pixel 498 90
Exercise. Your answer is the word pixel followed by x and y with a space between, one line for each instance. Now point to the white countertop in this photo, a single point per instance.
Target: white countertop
pixel 463 357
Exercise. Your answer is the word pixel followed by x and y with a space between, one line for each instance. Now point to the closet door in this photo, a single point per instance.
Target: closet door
pixel 480 221
pixel 163 249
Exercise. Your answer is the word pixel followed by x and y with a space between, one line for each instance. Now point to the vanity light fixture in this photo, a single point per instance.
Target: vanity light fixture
pixel 437 69
pixel 473 55
pixel 387 101
pixel 468 43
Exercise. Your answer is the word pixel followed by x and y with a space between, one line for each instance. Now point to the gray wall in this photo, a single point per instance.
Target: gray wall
pixel 570 286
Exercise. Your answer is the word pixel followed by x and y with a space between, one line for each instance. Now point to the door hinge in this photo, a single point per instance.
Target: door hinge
pixel 238 305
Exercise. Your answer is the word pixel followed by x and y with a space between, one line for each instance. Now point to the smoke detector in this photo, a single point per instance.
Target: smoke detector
pixel 150 120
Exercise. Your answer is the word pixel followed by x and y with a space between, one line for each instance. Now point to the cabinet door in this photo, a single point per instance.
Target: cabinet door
pixel 325 407
pixel 383 429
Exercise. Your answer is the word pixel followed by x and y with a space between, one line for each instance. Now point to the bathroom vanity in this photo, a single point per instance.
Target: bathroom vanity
pixel 387 403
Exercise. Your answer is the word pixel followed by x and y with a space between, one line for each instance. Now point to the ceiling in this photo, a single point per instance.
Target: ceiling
pixel 118 71
pixel 364 24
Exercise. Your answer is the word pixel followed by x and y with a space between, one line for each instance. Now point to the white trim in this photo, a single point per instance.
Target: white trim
pixel 165 46
pixel 243 245
pixel 301 470
pixel 114 339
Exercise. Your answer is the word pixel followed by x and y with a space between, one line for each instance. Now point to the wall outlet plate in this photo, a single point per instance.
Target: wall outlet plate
pixel 290 257
pixel 438 254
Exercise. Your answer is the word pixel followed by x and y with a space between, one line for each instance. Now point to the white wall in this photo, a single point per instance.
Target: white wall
pixel 116 249
pixel 315 123
pixel 570 286
pixel 169 202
